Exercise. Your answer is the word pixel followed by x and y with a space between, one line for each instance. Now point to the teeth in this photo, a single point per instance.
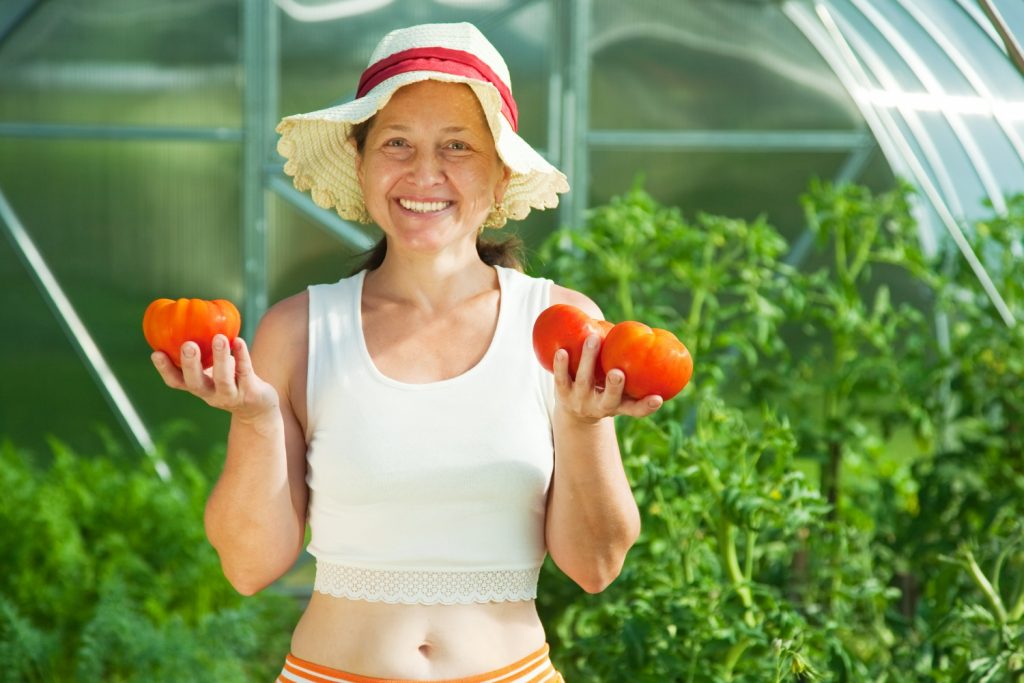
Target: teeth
pixel 423 207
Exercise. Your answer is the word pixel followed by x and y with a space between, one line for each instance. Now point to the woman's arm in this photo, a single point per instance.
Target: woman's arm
pixel 592 517
pixel 256 514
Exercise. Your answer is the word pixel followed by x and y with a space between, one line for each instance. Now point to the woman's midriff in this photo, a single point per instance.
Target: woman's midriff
pixel 420 642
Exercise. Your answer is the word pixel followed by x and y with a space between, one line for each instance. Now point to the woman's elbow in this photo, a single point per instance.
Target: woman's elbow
pixel 596 583
pixel 248 582
pixel 601 572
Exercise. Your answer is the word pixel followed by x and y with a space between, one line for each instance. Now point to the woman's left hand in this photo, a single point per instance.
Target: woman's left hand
pixel 584 401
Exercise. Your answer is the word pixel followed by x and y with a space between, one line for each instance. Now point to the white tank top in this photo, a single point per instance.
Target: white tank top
pixel 428 493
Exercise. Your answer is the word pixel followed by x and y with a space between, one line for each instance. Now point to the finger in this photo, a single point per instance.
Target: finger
pixel 223 368
pixel 244 372
pixel 641 407
pixel 588 360
pixel 169 372
pixel 560 368
pixel 192 370
pixel 611 398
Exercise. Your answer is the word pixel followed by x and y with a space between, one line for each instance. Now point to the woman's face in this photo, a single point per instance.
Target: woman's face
pixel 429 171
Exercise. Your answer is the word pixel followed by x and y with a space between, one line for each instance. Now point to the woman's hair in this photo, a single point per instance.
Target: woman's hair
pixel 507 252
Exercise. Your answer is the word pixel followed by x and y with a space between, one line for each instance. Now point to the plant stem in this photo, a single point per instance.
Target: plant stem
pixel 748 560
pixel 727 544
pixel 864 251
pixel 733 656
pixel 696 308
pixel 986 587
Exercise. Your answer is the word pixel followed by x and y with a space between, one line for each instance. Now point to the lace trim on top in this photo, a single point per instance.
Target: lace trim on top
pixel 425 587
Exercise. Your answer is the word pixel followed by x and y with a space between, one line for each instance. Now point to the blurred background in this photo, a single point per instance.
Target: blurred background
pixel 137 153
pixel 137 146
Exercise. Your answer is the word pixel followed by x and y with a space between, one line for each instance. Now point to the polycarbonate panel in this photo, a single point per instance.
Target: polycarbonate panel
pixel 156 217
pixel 742 185
pixel 1012 13
pixel 301 252
pixel 137 62
pixel 119 224
pixel 982 56
pixel 672 64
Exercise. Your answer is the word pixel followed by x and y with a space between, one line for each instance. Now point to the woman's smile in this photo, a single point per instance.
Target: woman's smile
pixel 424 206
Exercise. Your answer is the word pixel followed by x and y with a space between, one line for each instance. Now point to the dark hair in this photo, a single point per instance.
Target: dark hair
pixel 507 252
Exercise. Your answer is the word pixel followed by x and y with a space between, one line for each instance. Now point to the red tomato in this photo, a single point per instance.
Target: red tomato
pixel 167 324
pixel 566 327
pixel 654 360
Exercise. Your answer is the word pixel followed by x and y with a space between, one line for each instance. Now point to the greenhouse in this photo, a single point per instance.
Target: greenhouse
pixel 824 199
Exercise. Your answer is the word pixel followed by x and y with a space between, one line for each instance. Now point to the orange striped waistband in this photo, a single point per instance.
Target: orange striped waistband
pixel 534 668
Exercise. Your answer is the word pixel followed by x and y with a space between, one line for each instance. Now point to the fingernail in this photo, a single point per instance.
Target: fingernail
pixel 591 341
pixel 653 403
pixel 189 352
pixel 615 378
pixel 218 343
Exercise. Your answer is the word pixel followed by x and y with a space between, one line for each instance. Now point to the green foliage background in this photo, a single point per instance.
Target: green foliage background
pixel 107 576
pixel 836 496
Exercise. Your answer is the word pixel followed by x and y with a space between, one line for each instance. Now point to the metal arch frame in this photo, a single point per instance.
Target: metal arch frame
pixel 970 7
pixel 978 161
pixel 920 134
pixel 968 71
pixel 1014 49
pixel 825 35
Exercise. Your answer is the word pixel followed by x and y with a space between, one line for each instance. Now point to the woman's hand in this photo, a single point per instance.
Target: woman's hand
pixel 230 384
pixel 585 402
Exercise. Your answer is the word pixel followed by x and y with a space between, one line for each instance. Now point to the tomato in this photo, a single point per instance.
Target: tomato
pixel 653 360
pixel 563 326
pixel 167 324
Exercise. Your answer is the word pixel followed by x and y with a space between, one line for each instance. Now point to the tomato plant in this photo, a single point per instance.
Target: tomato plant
pixel 653 360
pixel 169 323
pixel 563 326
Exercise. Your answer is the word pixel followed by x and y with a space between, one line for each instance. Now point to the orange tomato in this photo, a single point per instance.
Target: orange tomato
pixel 169 323
pixel 563 326
pixel 653 360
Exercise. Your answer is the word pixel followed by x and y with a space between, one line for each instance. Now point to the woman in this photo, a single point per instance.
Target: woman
pixel 400 411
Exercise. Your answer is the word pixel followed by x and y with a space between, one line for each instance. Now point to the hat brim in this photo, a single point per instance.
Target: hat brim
pixel 320 157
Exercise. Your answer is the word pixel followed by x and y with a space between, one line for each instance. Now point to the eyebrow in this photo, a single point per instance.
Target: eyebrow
pixel 404 129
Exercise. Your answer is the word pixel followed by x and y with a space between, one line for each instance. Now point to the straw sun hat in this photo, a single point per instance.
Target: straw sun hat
pixel 321 158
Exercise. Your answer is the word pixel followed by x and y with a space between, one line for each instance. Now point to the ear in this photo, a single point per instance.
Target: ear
pixel 503 181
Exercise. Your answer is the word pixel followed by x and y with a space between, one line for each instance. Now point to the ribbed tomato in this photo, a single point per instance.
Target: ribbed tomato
pixel 563 326
pixel 654 360
pixel 169 323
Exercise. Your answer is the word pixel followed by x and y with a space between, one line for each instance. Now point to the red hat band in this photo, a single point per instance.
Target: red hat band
pixel 442 60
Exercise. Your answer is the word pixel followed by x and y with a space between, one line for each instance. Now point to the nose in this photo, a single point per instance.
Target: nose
pixel 426 169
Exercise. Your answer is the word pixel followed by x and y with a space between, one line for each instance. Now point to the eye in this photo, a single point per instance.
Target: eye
pixel 458 146
pixel 395 142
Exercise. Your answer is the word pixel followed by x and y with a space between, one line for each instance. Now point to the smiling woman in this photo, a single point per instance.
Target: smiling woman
pixel 400 411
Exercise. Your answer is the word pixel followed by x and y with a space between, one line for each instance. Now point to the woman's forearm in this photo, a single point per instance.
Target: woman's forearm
pixel 251 518
pixel 592 516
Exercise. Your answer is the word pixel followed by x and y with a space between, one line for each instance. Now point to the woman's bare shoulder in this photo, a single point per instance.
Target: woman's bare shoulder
pixel 564 295
pixel 283 330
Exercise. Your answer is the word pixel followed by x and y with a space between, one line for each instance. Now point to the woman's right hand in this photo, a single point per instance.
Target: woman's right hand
pixel 230 384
